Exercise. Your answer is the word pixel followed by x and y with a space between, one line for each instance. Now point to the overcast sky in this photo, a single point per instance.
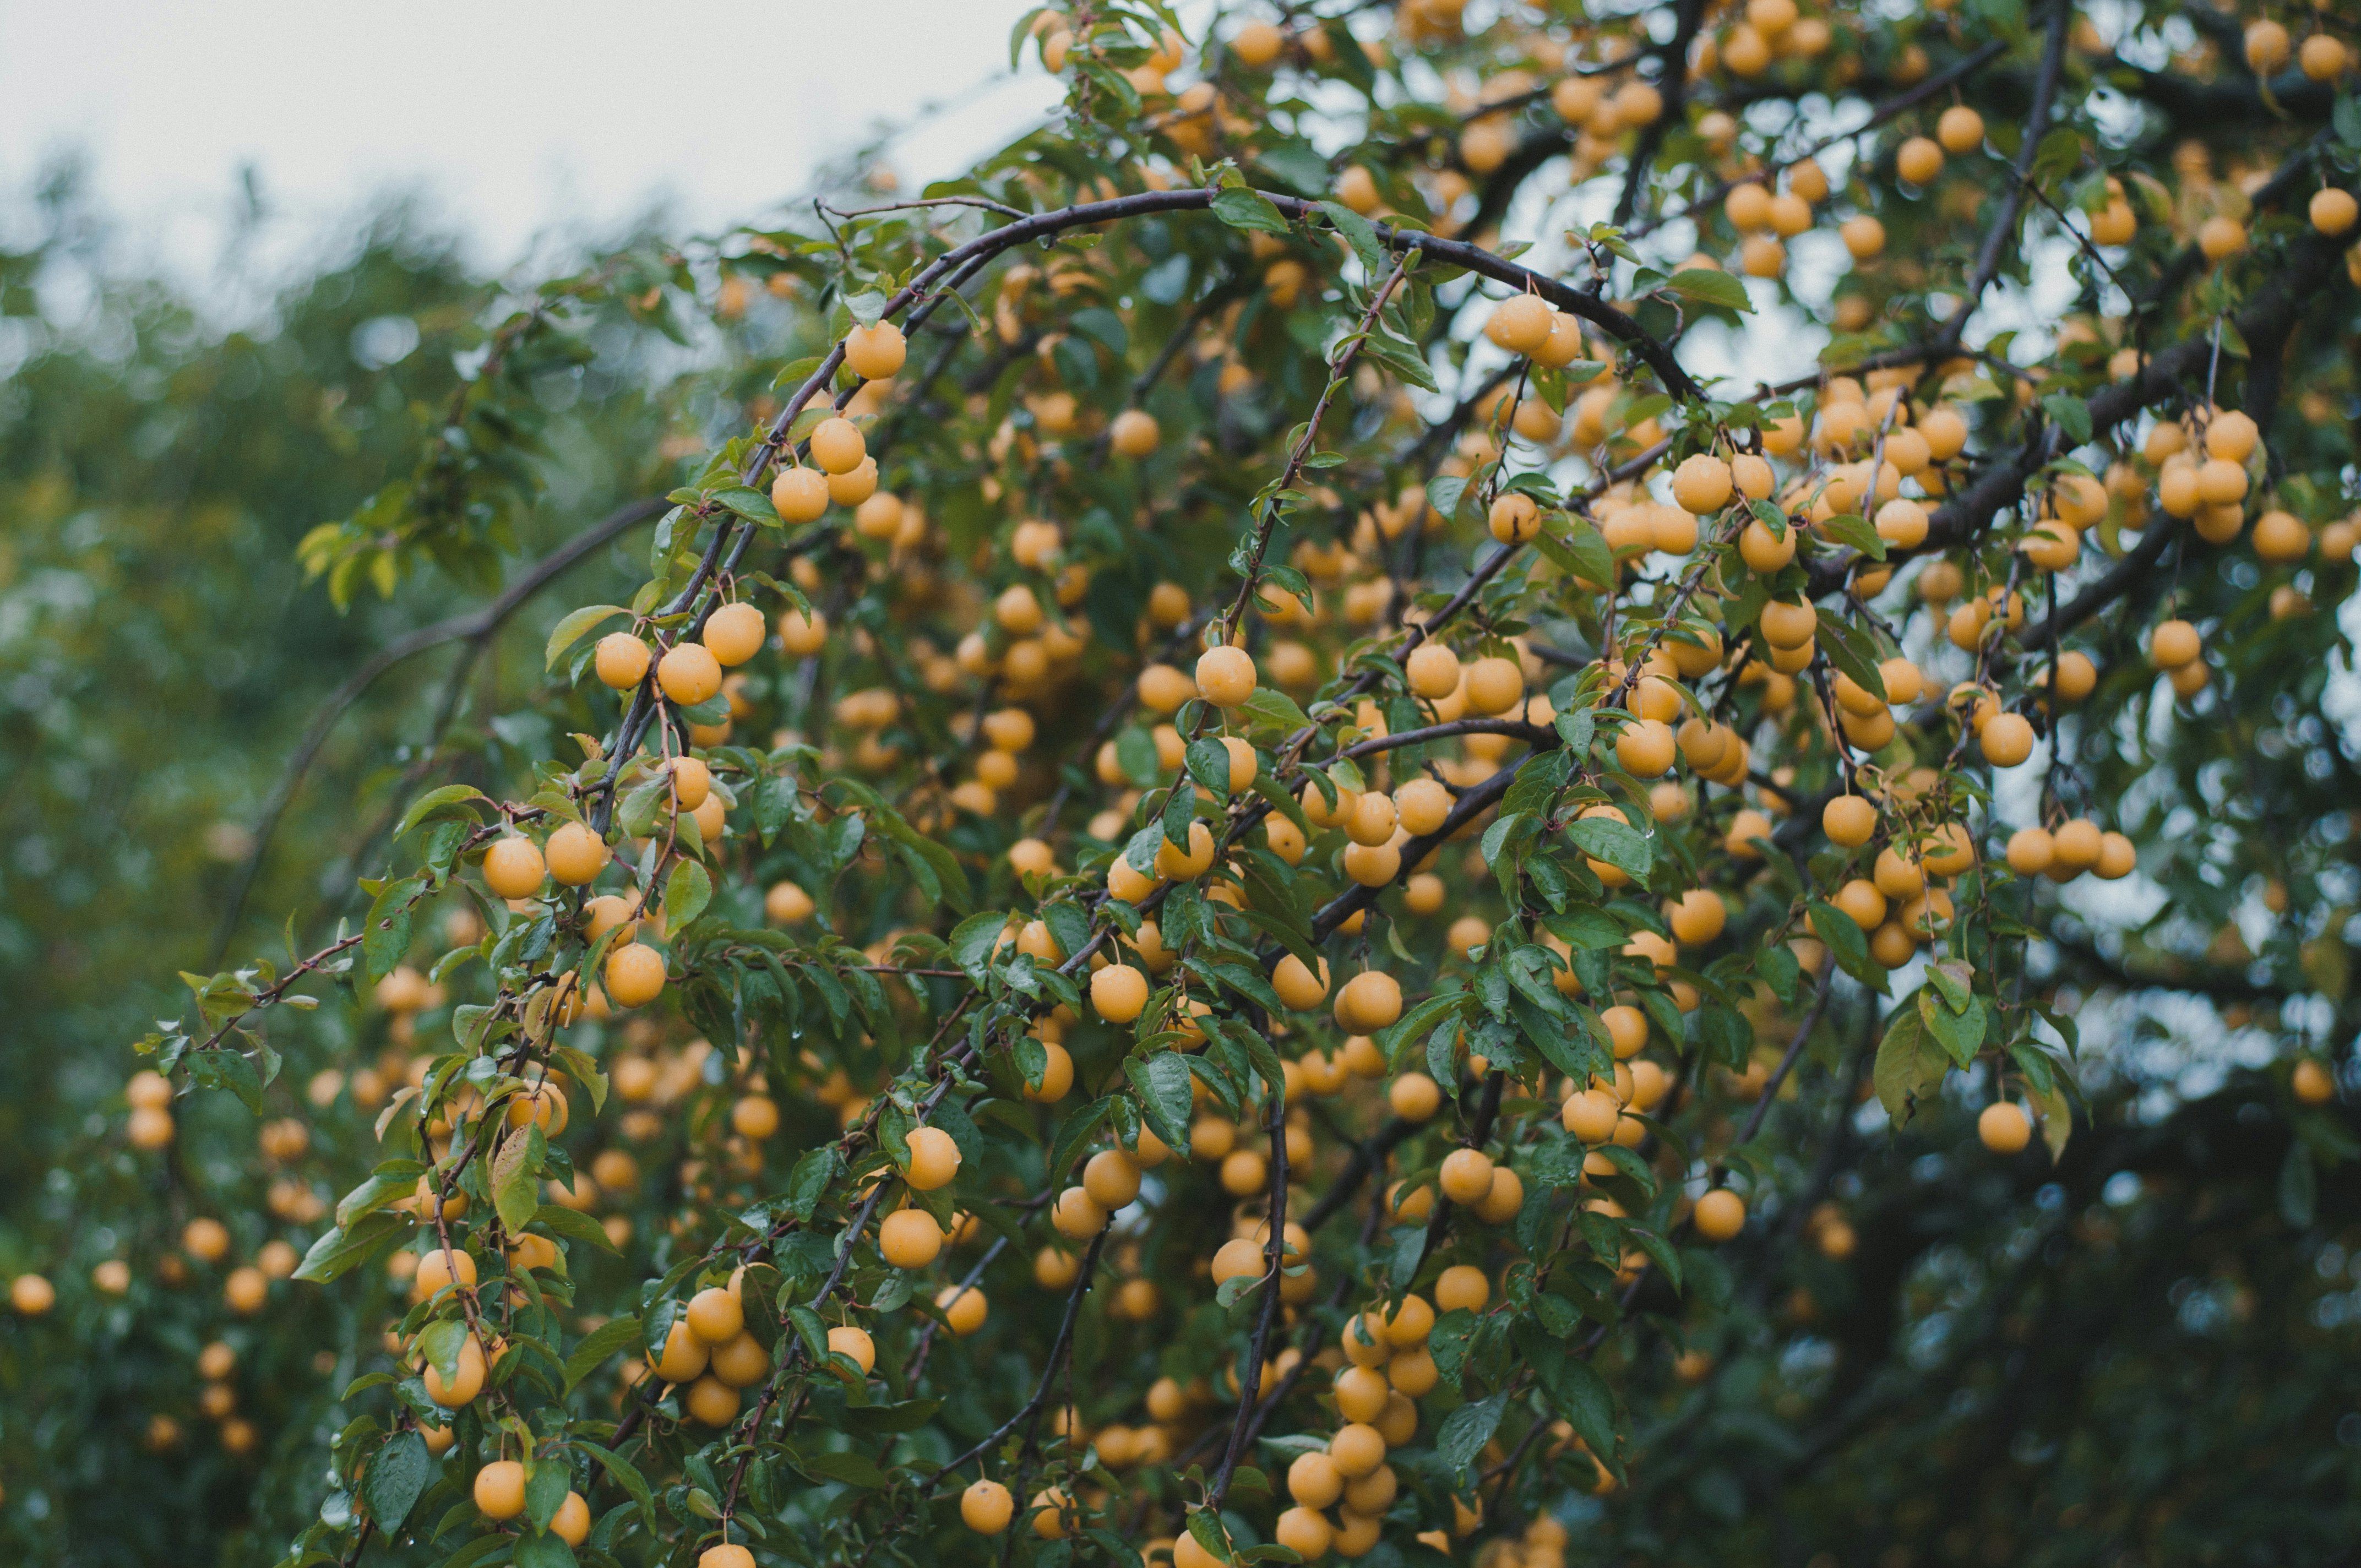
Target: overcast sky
pixel 511 119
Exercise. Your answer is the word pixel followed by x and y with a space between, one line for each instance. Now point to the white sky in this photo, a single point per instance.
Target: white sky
pixel 511 120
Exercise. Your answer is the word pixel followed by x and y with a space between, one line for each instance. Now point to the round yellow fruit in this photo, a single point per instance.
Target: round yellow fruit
pixel 836 446
pixel 1520 324
pixel 1135 433
pixel 571 1523
pixel 1465 1175
pixel 1368 1002
pixel 1225 676
pixel 689 673
pixel 1495 686
pixel 1702 484
pixel 849 1340
pixel 1357 1450
pixel 716 1315
pixel 621 661
pixel 575 854
pixel 875 353
pixel 513 867
pixel 1720 1215
pixel 734 634
pixel 634 975
pixel 499 1490
pixel 1515 517
pixel 466 1381
pixel 986 1507
pixel 684 1355
pixel 1434 671
pixel 964 1308
pixel 1119 993
pixel 2004 1127
pixel 934 1158
pixel 909 1238
pixel 711 1402
pixel 787 903
pixel 799 495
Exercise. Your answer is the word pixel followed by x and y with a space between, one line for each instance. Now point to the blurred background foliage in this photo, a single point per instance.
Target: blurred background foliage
pixel 162 652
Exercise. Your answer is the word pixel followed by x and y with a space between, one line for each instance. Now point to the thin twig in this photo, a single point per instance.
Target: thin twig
pixel 1274 1278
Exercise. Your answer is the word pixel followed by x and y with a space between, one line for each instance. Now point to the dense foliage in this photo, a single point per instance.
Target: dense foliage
pixel 1478 780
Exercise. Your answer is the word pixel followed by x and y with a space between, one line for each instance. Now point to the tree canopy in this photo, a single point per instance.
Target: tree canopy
pixel 1526 782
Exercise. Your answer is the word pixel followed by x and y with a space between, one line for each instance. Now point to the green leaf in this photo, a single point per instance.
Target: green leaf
pixel 436 804
pixel 227 1067
pixel 1842 933
pixel 1582 554
pixel 1180 814
pixel 1468 1429
pixel 1404 359
pixel 394 1178
pixel 1208 761
pixel 1068 923
pixel 1619 844
pixel 2059 155
pixel 1162 1080
pixel 397 1471
pixel 686 894
pixel 1362 237
pixel 1660 1251
pixel 1710 287
pixel 568 1224
pixel 572 630
pixel 586 1071
pixel 1272 707
pixel 1074 1131
pixel 1910 1065
pixel 627 1476
pixel 615 1335
pixel 2072 414
pixel 387 932
pixel 1851 528
pixel 973 940
pixel 2057 1118
pixel 543 1551
pixel 442 1343
pixel 1576 730
pixel 1576 1392
pixel 1243 209
pixel 1850 649
pixel 1960 1031
pixel 853 1469
pixel 879 1420
pixel 2346 119
pixel 1135 751
pixel 1415 1023
pixel 1205 1526
pixel 467 1556
pixel 2298 1186
pixel 948 870
pixel 1243 979
pixel 748 503
pixel 1298 165
pixel 808 1184
pixel 513 1193
pixel 347 1246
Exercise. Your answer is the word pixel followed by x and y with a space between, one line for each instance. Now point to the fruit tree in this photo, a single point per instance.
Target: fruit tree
pixel 1509 782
